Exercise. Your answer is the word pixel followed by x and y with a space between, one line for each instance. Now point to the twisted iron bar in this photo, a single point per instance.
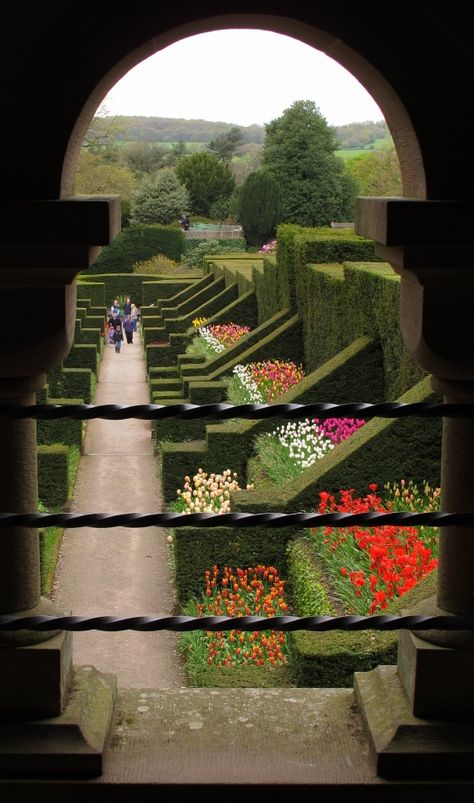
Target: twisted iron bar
pixel 235 520
pixel 223 412
pixel 248 623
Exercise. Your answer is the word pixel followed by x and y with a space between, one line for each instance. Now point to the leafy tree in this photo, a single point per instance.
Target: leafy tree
pixel 144 158
pixel 159 199
pixel 98 177
pixel 248 161
pixel 299 153
pixel 206 180
pixel 259 207
pixel 102 135
pixel 225 145
pixel 377 172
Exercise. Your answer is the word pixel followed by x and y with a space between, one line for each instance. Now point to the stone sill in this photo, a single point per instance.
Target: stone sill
pixel 227 740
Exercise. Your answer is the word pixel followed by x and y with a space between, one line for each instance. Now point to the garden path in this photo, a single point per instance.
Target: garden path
pixel 120 571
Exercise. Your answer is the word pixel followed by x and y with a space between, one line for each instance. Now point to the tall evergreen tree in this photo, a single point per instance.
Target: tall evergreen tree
pixel 206 179
pixel 299 153
pixel 259 207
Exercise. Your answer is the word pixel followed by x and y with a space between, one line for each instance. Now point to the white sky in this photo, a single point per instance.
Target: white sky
pixel 241 77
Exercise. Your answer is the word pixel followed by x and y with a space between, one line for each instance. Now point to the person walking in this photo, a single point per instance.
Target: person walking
pixel 128 328
pixel 118 337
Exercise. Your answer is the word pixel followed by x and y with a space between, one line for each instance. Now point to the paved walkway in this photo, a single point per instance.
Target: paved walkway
pixel 120 571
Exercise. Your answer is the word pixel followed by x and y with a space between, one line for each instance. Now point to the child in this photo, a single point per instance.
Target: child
pixel 110 335
pixel 118 337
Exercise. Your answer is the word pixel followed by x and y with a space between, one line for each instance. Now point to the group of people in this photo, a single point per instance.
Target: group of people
pixel 120 321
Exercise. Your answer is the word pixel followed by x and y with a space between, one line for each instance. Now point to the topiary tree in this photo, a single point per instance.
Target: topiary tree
pixel 259 207
pixel 159 199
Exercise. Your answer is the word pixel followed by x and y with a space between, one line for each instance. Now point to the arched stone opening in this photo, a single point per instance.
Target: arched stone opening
pixel 395 113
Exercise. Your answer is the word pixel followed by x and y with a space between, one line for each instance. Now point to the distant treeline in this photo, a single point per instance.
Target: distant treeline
pixel 169 129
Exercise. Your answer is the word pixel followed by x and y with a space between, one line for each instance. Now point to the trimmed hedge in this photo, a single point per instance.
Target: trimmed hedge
pixel 93 291
pixel 57 469
pixel 72 383
pixel 339 303
pixel 137 243
pixel 82 356
pixel 164 290
pixel 297 246
pixel 197 549
pixel 271 288
pixel 53 475
pixel 65 431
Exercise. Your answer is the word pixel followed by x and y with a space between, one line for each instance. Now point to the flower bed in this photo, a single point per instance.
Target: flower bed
pixel 368 566
pixel 236 592
pixel 263 382
pixel 291 448
pixel 213 339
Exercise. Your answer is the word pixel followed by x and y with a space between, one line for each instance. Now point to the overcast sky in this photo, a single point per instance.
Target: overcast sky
pixel 242 77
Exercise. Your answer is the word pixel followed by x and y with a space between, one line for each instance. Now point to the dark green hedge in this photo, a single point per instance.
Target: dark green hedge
pixel 197 549
pixel 298 246
pixel 135 244
pixel 164 289
pixel 122 284
pixel 339 303
pixel 66 431
pixel 82 356
pixel 71 383
pixel 272 289
pixel 94 291
pixel 53 475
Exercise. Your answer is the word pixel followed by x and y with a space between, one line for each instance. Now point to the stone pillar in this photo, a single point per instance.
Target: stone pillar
pixel 43 245
pixel 419 716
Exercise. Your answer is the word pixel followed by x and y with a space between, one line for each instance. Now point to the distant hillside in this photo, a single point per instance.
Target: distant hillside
pixel 362 135
pixel 170 129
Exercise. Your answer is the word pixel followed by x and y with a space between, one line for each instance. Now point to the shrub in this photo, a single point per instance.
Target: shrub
pixel 156 265
pixel 159 199
pixel 259 207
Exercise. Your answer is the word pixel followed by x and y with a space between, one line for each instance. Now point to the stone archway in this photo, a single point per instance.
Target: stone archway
pixel 401 128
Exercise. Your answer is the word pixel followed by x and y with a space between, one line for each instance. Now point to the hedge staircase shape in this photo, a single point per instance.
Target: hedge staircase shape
pixel 280 335
pixel 164 361
pixel 231 444
pixel 178 298
pixel 180 317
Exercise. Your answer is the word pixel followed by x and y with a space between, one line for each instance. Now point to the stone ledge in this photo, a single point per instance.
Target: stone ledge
pixel 228 740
